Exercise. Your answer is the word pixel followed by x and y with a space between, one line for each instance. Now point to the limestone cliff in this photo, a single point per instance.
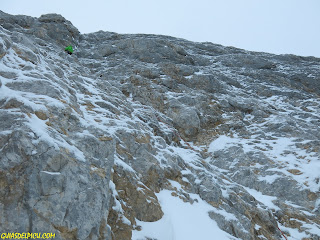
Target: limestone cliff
pixel 101 144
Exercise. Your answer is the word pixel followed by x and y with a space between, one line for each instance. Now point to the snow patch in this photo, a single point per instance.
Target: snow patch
pixel 181 221
pixel 265 199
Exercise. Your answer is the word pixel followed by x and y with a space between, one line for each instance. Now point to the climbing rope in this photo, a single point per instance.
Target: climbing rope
pixel 282 233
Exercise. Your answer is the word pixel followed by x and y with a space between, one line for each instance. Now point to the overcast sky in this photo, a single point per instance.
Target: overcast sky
pixel 276 26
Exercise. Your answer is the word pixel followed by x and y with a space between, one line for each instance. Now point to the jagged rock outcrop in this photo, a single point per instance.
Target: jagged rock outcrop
pixel 89 142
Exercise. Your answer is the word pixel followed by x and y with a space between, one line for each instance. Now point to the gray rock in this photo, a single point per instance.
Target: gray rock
pixel 87 140
pixel 184 118
pixel 59 28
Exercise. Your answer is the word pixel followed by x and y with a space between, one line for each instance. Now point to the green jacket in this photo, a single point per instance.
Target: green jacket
pixel 69 49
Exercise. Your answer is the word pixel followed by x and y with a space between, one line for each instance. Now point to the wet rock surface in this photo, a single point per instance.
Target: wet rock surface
pixel 87 141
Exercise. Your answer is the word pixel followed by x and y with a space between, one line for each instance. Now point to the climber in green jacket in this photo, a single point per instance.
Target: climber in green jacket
pixel 69 49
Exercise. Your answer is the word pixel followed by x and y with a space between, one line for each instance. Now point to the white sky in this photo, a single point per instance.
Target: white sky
pixel 276 26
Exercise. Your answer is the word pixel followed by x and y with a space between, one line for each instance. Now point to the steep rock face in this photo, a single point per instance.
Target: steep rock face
pixel 89 142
